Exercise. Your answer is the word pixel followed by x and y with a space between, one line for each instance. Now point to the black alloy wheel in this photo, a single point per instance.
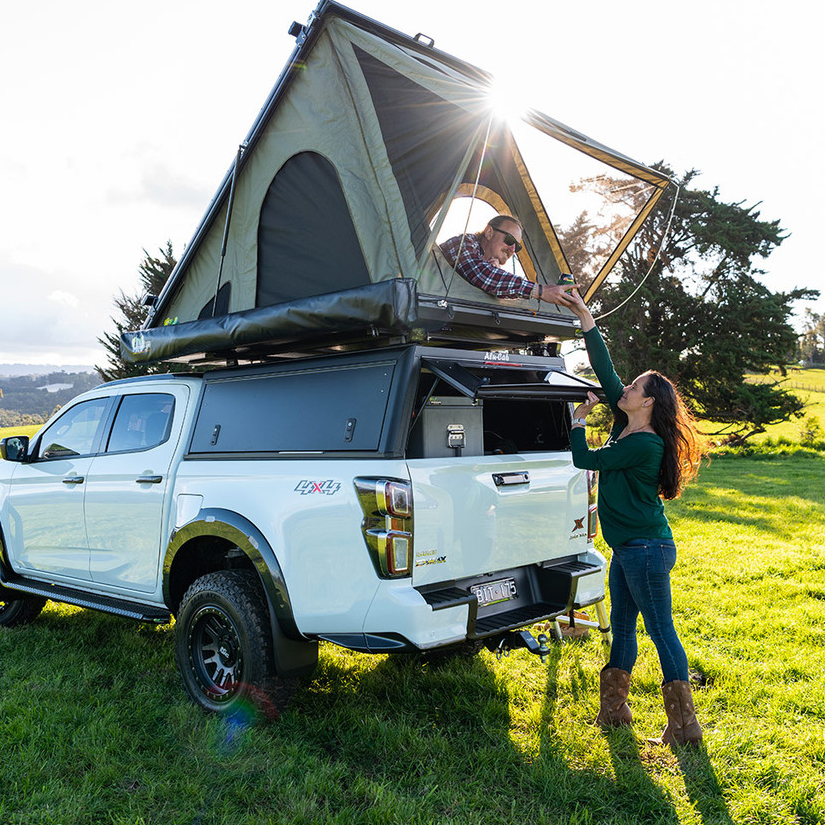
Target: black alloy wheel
pixel 223 645
pixel 215 654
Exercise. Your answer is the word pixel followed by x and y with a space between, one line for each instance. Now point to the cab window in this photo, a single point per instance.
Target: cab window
pixel 142 422
pixel 75 433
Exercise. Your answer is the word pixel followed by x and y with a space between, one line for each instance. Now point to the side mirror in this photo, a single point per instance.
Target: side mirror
pixel 14 448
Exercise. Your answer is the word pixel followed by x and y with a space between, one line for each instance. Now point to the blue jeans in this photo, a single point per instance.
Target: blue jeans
pixel 639 581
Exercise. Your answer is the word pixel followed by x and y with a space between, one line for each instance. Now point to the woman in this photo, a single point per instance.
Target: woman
pixel 652 452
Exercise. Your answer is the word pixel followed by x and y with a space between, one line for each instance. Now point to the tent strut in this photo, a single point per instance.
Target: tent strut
pixel 472 203
pixel 226 224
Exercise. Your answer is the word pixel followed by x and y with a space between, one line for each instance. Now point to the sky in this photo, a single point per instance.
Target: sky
pixel 119 123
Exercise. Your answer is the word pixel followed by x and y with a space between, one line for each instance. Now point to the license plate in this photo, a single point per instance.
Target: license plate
pixel 495 592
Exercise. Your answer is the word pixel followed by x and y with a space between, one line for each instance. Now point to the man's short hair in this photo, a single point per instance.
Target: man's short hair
pixel 502 219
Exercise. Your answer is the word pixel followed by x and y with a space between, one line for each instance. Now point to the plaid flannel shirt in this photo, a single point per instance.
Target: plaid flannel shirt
pixel 483 274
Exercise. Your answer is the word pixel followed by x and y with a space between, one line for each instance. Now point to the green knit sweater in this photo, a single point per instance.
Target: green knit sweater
pixel 629 503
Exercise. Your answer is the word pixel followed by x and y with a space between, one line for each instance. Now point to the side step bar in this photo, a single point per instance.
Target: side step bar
pixel 93 601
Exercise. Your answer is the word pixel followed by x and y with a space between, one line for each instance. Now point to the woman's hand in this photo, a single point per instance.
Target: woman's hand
pixel 578 306
pixel 584 409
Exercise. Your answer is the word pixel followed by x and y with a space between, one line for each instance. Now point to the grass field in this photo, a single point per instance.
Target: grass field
pixel 25 429
pixel 809 385
pixel 95 727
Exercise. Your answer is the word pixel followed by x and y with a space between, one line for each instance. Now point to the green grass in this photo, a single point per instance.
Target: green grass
pixel 809 386
pixel 23 429
pixel 95 728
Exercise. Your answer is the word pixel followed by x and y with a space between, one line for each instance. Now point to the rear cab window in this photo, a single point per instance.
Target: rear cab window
pixel 142 421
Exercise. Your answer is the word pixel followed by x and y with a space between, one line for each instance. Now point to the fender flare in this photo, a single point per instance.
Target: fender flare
pixel 294 653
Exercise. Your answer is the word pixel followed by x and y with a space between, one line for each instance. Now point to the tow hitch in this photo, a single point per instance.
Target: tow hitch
pixel 523 638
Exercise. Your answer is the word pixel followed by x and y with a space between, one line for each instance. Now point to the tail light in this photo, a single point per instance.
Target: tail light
pixel 387 524
pixel 592 506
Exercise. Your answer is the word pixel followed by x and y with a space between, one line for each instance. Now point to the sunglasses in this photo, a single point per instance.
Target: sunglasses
pixel 509 240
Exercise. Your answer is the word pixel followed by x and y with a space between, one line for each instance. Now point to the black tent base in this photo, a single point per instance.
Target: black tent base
pixel 383 314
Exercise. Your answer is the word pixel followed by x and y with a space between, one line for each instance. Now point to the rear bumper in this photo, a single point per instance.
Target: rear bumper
pixel 402 618
pixel 543 592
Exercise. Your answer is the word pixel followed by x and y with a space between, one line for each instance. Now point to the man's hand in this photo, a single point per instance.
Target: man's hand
pixel 559 294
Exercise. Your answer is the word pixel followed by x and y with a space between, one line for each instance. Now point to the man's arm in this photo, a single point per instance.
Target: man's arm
pixel 494 280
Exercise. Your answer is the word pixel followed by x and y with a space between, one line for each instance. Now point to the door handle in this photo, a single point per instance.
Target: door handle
pixel 504 479
pixel 149 479
pixel 73 480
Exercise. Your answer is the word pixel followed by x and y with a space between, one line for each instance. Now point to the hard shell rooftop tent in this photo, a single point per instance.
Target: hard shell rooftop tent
pixel 325 227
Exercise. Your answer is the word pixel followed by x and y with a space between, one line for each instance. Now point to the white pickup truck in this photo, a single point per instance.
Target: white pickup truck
pixel 402 499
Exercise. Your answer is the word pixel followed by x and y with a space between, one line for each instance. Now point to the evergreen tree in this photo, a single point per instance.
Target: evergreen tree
pixel 154 272
pixel 699 314
pixel 812 340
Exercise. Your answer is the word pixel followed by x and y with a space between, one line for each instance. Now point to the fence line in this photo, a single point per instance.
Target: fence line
pixel 793 385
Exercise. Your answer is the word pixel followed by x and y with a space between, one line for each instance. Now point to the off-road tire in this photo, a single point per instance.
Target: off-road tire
pixel 17 609
pixel 223 647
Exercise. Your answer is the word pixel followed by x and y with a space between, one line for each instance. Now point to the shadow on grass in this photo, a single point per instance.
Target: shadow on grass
pixel 436 744
pixel 630 795
pixel 365 741
pixel 703 786
pixel 631 768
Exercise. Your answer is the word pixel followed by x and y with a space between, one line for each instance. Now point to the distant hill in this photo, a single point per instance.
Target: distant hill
pixel 41 369
pixel 31 399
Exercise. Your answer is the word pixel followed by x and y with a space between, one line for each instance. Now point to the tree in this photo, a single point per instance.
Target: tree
pixel 699 313
pixel 812 340
pixel 154 272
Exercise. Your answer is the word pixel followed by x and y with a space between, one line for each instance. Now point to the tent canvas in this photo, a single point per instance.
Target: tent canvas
pixel 342 187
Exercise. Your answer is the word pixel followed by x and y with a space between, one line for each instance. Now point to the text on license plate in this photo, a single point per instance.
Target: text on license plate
pixel 494 592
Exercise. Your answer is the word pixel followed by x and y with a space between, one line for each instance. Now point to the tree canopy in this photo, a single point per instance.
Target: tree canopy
pixel 694 308
pixel 812 340
pixel 154 272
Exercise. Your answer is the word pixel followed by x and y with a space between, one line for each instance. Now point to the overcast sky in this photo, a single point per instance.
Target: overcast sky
pixel 119 122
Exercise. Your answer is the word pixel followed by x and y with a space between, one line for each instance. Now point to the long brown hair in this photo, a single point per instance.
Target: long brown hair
pixel 674 424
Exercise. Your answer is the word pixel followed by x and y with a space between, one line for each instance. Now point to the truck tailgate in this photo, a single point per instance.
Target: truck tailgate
pixel 477 515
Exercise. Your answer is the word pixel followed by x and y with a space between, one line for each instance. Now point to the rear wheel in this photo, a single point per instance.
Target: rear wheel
pixel 17 609
pixel 223 646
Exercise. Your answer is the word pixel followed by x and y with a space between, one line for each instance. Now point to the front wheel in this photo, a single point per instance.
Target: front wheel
pixel 223 646
pixel 17 609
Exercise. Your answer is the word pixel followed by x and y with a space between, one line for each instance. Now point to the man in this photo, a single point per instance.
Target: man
pixel 483 254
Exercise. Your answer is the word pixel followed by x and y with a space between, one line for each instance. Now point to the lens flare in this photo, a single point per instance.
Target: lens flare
pixel 507 101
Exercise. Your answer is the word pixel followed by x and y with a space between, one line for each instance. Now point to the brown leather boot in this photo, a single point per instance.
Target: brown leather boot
pixel 614 684
pixel 682 725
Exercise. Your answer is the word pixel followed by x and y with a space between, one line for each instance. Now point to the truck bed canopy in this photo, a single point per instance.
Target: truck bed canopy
pixel 327 222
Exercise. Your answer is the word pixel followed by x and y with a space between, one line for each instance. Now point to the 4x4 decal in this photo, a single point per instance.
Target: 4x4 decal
pixel 327 488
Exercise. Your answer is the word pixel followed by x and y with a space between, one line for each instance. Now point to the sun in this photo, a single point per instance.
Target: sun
pixel 506 99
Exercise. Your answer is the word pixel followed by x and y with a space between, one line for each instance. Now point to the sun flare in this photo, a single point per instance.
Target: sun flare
pixel 506 99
